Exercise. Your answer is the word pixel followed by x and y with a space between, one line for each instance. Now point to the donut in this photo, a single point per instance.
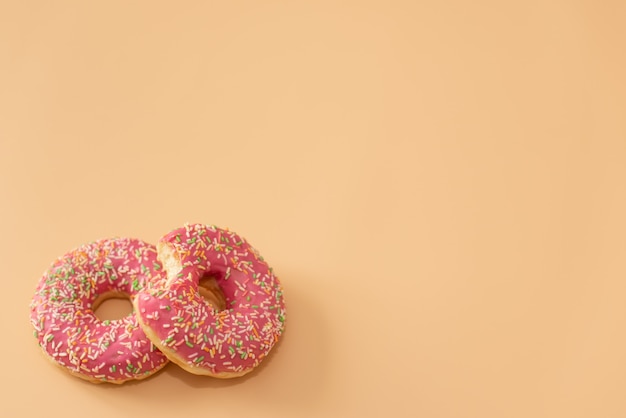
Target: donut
pixel 66 327
pixel 195 334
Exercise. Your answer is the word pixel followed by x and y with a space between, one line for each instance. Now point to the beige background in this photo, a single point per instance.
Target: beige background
pixel 440 186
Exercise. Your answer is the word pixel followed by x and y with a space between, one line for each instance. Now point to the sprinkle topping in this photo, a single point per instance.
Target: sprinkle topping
pixel 66 326
pixel 234 340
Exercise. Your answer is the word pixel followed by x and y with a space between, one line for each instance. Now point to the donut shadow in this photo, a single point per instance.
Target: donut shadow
pixel 304 341
pixel 296 368
pixel 175 372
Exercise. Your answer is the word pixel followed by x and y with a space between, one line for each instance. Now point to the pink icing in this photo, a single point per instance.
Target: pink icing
pixel 66 327
pixel 233 340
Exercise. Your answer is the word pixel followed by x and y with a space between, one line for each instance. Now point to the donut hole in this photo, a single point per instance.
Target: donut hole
pixel 211 292
pixel 112 306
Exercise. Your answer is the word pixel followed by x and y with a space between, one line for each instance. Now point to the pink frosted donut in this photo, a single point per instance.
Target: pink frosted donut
pixel 191 331
pixel 62 311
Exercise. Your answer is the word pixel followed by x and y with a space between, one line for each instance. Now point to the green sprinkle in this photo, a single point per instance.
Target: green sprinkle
pixel 191 240
pixel 206 339
pixel 281 318
pixel 168 308
pixel 199 359
pixel 180 274
pixel 239 343
pixel 113 368
pixel 181 319
pixel 255 306
pixel 244 355
pixel 136 284
pixel 231 350
pixel 210 331
pixel 50 338
pixel 137 253
pixel 194 326
pixel 248 298
pixel 188 344
pixel 106 322
pixel 178 238
pixel 156 266
pixel 113 277
pixel 35 334
pixel 169 339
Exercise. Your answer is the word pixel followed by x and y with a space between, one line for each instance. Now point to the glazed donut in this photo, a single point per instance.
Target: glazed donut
pixel 194 334
pixel 62 311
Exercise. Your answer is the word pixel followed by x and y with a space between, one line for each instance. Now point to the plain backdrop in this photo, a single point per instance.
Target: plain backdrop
pixel 440 186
